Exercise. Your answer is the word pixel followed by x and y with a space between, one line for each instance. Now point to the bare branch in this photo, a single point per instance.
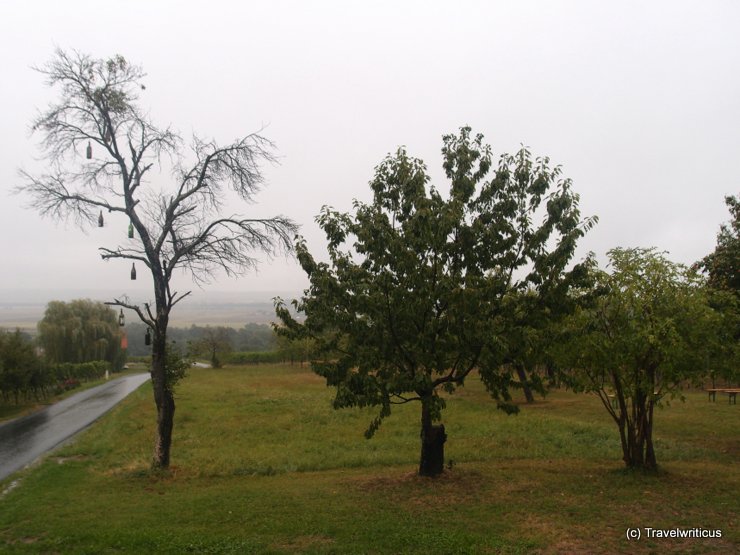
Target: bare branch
pixel 51 197
pixel 227 244
pixel 102 148
pixel 175 298
pixel 129 254
pixel 124 302
pixel 403 400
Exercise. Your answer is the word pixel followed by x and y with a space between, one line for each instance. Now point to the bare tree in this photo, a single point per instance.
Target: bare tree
pixel 101 149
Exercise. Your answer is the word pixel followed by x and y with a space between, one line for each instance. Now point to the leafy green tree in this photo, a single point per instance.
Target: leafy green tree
pixel 215 343
pixel 723 265
pixel 413 298
pixel 21 370
pixel 102 149
pixel 649 331
pixel 295 349
pixel 80 331
pixel 255 337
pixel 723 270
pixel 532 319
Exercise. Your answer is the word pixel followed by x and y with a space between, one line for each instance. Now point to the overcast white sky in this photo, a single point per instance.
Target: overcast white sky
pixel 638 101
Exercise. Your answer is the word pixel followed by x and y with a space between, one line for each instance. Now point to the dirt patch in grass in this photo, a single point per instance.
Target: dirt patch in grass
pixel 452 487
pixel 302 543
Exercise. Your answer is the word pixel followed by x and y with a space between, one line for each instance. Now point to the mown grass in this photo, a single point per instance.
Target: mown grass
pixel 261 463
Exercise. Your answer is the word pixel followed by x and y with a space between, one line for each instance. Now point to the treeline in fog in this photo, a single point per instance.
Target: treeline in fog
pixel 251 337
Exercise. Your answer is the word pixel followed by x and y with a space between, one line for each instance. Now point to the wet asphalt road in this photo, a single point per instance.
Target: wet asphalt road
pixel 25 439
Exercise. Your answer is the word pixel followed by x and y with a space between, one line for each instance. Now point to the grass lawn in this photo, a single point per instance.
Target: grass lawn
pixel 261 463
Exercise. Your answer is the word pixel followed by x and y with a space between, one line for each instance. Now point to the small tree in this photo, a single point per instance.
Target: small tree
pixel 649 331
pixel 723 265
pixel 103 148
pixel 418 299
pixel 215 342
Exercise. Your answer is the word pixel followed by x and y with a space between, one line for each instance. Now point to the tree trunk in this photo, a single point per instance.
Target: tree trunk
pixel 650 461
pixel 525 384
pixel 432 443
pixel 163 398
pixel 637 442
pixel 164 401
pixel 552 380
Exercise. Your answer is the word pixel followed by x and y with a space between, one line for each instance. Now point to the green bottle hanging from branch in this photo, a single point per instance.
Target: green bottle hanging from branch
pixel 88 151
pixel 148 337
pixel 133 271
pixel 130 230
pixel 101 222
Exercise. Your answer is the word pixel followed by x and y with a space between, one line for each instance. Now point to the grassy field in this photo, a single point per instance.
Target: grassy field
pixel 261 463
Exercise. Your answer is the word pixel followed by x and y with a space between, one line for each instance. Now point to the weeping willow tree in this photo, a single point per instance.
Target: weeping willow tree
pixel 80 331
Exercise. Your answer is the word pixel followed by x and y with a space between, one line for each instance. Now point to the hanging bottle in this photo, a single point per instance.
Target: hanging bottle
pixel 108 135
pixel 100 219
pixel 121 320
pixel 148 337
pixel 130 230
pixel 88 151
pixel 133 271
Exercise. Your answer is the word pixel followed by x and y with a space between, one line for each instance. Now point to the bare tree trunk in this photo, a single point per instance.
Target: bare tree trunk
pixel 165 421
pixel 164 401
pixel 163 397
pixel 432 443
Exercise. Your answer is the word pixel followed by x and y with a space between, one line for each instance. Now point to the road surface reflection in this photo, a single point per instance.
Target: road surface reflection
pixel 24 439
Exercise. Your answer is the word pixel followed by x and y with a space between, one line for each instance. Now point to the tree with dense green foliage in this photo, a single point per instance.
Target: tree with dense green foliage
pixel 533 317
pixel 414 297
pixel 297 349
pixel 103 148
pixel 22 372
pixel 80 331
pixel 723 265
pixel 649 331
pixel 723 270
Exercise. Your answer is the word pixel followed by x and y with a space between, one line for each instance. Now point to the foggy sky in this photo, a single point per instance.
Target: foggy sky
pixel 638 101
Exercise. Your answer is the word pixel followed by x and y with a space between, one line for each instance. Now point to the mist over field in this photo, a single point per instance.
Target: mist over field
pixel 23 308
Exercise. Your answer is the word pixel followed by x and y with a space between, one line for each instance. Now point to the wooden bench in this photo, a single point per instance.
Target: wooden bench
pixel 731 393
